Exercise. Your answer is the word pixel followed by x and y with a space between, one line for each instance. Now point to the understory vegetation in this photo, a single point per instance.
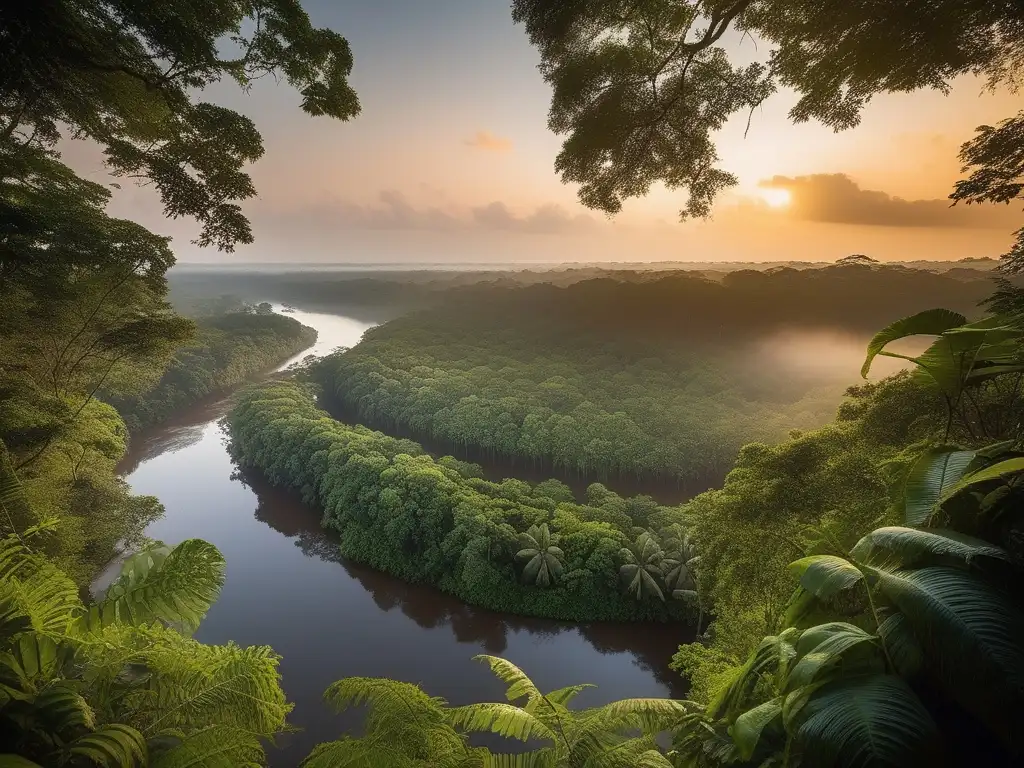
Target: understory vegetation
pixel 227 349
pixel 607 378
pixel 507 546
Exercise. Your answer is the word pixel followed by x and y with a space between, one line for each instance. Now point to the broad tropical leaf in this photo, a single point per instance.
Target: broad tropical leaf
pixel 970 633
pixel 173 586
pixel 747 729
pixel 544 558
pixel 825 576
pixel 931 322
pixel 898 547
pixel 867 722
pixel 642 567
pixel 1001 471
pixel 821 649
pixel 934 472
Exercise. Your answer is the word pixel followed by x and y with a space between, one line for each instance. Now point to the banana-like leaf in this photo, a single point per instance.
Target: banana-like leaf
pixel 217 746
pixel 820 650
pixel 901 647
pixel 971 635
pixel 935 472
pixel 825 576
pixel 173 586
pixel 931 322
pixel 506 720
pixel 867 722
pixel 112 745
pixel 771 656
pixel 1004 470
pixel 749 727
pixel 898 547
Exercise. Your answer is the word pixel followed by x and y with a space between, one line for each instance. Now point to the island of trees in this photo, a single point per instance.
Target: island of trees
pixel 862 580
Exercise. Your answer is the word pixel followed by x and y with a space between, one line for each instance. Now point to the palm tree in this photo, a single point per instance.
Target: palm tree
pixel 680 568
pixel 642 567
pixel 544 558
pixel 120 682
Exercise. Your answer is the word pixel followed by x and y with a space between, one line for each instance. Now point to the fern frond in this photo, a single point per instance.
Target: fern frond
pixel 649 715
pixel 505 720
pixel 174 586
pixel 112 745
pixel 35 588
pixel 215 747
pixel 538 758
pixel 358 753
pixel 519 684
pixel 564 695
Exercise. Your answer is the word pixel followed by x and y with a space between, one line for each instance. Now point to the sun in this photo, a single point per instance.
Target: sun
pixel 775 197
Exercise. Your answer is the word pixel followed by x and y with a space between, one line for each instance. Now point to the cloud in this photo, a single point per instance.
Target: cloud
pixel 835 198
pixel 487 141
pixel 393 212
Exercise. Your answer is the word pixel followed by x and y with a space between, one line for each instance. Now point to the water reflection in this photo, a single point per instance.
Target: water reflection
pixel 430 608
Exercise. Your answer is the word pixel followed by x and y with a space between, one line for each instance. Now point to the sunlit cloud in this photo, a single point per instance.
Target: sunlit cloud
pixel 835 198
pixel 489 142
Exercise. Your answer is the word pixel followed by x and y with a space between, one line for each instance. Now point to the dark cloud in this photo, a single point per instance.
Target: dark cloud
pixel 393 212
pixel 835 198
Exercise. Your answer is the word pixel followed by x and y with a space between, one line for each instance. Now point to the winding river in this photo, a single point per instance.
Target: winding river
pixel 286 587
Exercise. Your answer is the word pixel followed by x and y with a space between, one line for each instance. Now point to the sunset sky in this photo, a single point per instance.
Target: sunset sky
pixel 451 160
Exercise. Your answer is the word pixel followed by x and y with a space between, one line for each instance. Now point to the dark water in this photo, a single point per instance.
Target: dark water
pixel 287 588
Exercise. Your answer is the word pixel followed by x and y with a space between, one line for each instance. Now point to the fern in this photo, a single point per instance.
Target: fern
pixel 173 586
pixel 217 746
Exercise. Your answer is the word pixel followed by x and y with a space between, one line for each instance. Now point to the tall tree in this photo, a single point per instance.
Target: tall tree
pixel 640 86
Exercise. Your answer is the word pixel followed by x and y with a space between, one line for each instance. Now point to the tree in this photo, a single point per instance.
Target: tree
pixel 126 75
pixel 642 567
pixel 640 87
pixel 543 557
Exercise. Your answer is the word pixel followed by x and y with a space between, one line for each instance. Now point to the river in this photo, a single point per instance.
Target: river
pixel 286 587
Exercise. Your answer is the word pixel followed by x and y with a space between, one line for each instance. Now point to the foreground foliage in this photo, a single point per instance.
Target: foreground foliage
pixel 118 681
pixel 506 546
pixel 406 727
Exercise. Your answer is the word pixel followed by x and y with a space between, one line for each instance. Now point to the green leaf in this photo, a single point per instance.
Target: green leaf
pixel 506 720
pixel 519 684
pixel 112 745
pixel 934 472
pixel 173 586
pixel 16 761
pixel 931 322
pixel 895 547
pixel 749 726
pixel 867 722
pixel 1000 471
pixel 825 576
pixel 564 695
pixel 15 514
pixel 217 746
pixel 822 648
pixel 970 633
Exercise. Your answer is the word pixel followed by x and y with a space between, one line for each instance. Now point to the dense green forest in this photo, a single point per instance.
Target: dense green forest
pixel 863 580
pixel 661 378
pixel 505 546
pixel 227 350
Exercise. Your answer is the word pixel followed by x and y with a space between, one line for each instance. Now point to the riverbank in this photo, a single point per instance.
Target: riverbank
pixel 288 587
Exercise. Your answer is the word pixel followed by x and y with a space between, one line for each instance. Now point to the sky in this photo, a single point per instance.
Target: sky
pixel 451 160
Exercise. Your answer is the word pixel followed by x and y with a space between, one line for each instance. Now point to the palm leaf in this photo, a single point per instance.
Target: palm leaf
pixel 934 472
pixel 905 547
pixel 931 322
pixel 173 586
pixel 112 745
pixel 869 722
